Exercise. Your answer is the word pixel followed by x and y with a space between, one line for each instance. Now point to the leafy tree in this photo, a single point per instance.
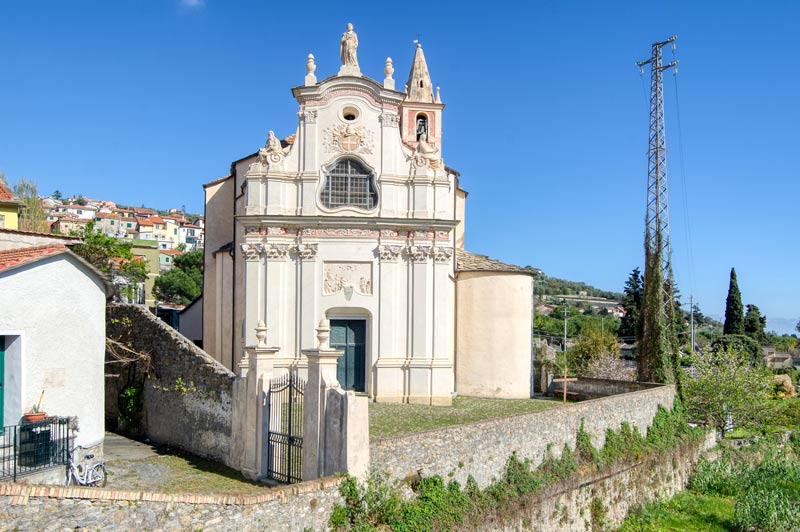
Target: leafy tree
pixel 81 201
pixel 57 194
pixel 32 217
pixel 797 327
pixel 632 303
pixel 734 311
pixel 740 343
pixel 755 325
pixel 726 390
pixel 699 317
pixel 184 282
pixel 176 286
pixel 192 264
pixel 99 249
pixel 592 344
pixel 111 256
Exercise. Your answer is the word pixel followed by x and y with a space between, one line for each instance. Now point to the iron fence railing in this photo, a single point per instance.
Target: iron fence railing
pixel 31 447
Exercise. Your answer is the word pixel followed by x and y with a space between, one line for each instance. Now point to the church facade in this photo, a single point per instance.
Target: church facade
pixel 355 218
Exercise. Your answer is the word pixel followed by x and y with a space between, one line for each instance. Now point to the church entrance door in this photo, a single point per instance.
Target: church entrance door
pixel 350 336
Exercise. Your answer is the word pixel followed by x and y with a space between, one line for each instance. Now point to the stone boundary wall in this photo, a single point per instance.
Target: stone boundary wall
pixel 284 509
pixel 602 500
pixel 187 397
pixel 591 388
pixel 482 448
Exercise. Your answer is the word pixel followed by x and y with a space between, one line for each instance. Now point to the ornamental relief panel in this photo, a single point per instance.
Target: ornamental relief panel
pixel 347 138
pixel 347 277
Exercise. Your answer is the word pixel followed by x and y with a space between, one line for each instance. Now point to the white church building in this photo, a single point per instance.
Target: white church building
pixel 356 218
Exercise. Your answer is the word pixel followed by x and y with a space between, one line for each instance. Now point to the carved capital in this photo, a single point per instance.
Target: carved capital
pixel 309 117
pixel 389 253
pixel 305 251
pixel 389 120
pixel 441 254
pixel 252 251
pixel 417 253
pixel 277 251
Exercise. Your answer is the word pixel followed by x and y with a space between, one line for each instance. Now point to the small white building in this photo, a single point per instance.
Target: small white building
pixel 52 337
pixel 355 218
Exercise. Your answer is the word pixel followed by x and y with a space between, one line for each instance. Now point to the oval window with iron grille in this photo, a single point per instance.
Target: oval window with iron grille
pixel 349 184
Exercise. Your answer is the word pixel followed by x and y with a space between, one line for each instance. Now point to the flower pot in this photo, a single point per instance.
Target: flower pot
pixel 33 417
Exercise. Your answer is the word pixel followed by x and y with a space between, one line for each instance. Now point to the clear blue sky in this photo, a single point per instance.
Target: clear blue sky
pixel 546 118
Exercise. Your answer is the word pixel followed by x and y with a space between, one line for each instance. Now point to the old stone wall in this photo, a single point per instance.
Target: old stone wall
pixel 482 449
pixel 187 395
pixel 590 388
pixel 285 509
pixel 602 500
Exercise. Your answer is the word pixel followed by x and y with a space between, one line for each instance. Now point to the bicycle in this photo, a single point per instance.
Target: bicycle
pixel 93 475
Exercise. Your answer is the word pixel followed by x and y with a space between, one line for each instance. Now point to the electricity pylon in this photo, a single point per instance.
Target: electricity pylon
pixel 657 355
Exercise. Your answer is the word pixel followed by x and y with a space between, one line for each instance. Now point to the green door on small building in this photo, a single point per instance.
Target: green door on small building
pixel 350 336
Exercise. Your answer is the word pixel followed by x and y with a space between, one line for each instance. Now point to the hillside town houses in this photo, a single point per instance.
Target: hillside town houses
pixel 171 231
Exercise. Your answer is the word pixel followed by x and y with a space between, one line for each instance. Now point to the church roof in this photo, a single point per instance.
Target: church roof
pixel 472 262
pixel 420 88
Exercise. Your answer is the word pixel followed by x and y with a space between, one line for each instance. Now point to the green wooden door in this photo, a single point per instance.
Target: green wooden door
pixel 350 336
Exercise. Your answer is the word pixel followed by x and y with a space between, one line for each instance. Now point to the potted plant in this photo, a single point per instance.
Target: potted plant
pixel 35 413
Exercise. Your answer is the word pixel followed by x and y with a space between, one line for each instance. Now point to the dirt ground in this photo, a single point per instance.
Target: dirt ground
pixel 135 465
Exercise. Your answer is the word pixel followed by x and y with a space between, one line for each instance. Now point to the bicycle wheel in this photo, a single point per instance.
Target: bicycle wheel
pixel 98 476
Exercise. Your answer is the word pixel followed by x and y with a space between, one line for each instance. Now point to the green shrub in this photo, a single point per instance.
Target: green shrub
pixel 719 477
pixel 131 404
pixel 766 509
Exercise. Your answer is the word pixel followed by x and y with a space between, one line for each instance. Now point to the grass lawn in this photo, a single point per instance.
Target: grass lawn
pixel 686 512
pixel 391 419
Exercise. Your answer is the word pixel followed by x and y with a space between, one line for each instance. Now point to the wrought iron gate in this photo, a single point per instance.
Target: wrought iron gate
pixel 285 437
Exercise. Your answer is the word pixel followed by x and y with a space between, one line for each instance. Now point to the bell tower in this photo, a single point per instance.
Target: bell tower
pixel 421 111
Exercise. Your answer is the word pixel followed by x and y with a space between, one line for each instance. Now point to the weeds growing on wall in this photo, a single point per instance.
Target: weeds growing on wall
pixel 751 488
pixel 440 505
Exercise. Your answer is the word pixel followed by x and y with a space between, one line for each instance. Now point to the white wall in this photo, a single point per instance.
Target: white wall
pixel 58 313
pixel 493 334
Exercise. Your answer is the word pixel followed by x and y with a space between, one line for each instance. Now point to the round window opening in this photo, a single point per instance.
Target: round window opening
pixel 350 114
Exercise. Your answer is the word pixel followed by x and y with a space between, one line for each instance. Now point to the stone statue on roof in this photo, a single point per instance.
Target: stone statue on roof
pixel 348 47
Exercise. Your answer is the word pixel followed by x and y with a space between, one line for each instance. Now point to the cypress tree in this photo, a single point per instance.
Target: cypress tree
pixel 630 326
pixel 734 310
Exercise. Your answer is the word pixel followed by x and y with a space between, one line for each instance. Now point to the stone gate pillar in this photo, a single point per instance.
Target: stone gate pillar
pixel 252 425
pixel 335 422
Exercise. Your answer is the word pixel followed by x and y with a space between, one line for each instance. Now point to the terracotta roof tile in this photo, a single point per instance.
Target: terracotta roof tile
pixel 171 252
pixel 16 256
pixel 472 262
pixel 6 195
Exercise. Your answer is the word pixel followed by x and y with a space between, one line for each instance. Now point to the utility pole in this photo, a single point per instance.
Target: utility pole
pixel 657 344
pixel 691 322
pixel 565 326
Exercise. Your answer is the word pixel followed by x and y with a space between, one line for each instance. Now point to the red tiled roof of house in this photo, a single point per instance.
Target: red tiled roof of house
pixel 156 219
pixel 171 252
pixel 144 210
pixel 6 196
pixel 110 215
pixel 144 221
pixel 290 139
pixel 16 256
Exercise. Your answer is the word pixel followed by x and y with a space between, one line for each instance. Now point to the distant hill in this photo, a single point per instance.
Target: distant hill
pixel 551 286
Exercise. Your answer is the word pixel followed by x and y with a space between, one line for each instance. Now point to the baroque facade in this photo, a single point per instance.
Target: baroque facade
pixel 354 218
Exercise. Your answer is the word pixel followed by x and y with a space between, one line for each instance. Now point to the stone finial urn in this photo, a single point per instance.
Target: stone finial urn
pixel 323 334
